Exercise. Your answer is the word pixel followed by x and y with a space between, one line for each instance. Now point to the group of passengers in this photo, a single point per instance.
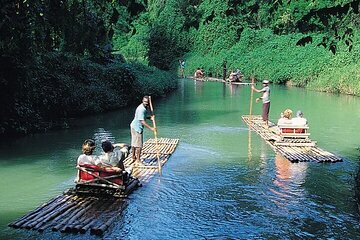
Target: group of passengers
pixel 112 158
pixel 286 118
pixel 235 76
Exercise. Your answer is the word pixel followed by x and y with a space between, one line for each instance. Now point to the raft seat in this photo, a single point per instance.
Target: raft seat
pixel 293 131
pixel 92 174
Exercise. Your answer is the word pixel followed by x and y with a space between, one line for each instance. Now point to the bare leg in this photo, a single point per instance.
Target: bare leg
pixel 133 150
pixel 138 154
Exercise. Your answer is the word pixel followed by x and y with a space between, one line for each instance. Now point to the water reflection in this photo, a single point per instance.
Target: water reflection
pixel 101 135
pixel 289 179
pixel 287 172
pixel 198 86
pixel 233 88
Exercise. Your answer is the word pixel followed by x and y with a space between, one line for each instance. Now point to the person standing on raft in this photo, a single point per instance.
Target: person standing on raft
pixel 137 127
pixel 265 100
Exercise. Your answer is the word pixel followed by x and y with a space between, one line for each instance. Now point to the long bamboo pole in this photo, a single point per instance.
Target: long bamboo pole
pixel 155 135
pixel 251 99
pixel 250 116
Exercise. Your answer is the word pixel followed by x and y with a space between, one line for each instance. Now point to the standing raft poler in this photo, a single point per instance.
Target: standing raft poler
pixel 265 100
pixel 182 68
pixel 137 128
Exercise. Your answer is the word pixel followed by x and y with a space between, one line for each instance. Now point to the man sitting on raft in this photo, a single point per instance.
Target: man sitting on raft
pixel 113 157
pixel 299 120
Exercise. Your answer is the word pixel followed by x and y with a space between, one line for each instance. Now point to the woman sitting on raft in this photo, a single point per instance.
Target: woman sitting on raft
pixel 285 118
pixel 88 157
pixel 108 161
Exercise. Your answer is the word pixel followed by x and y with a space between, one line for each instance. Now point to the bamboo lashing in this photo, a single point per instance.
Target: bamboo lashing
pixel 155 135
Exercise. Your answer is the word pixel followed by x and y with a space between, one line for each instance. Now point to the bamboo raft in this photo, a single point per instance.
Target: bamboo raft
pixel 74 213
pixel 212 79
pixel 295 150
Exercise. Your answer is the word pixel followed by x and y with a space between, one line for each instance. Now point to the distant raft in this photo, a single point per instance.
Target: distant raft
pixel 293 142
pixel 72 212
pixel 212 79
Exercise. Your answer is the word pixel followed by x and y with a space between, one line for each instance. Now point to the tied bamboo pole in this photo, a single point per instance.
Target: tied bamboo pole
pixel 155 135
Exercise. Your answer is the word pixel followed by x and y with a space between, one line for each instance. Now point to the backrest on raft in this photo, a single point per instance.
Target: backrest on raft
pixel 95 171
pixel 293 131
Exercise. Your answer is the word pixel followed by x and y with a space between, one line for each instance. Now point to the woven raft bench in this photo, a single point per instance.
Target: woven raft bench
pixel 295 146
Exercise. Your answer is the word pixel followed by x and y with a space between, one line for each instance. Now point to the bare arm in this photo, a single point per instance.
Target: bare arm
pixel 256 90
pixel 144 123
pixel 120 145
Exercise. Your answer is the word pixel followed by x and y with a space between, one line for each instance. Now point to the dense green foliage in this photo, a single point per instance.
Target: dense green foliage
pixel 57 61
pixel 312 43
pixel 305 43
pixel 60 54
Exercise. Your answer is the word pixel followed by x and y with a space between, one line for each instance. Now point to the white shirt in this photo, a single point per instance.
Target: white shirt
pixel 113 158
pixel 299 121
pixel 88 159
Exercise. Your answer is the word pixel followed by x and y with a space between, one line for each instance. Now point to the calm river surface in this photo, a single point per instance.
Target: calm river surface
pixel 221 182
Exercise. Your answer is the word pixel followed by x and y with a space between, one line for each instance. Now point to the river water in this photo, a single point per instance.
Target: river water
pixel 222 182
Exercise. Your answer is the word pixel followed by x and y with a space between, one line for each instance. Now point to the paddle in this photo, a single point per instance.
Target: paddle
pixel 155 135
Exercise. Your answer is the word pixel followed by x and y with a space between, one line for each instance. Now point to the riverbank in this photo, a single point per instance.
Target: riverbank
pixel 265 55
pixel 45 93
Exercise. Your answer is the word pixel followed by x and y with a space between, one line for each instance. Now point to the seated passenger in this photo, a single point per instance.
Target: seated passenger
pixel 232 76
pixel 199 73
pixel 299 120
pixel 88 157
pixel 235 76
pixel 114 158
pixel 285 118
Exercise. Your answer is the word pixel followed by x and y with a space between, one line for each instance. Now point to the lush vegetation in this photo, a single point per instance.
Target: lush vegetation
pixel 90 56
pixel 57 62
pixel 313 44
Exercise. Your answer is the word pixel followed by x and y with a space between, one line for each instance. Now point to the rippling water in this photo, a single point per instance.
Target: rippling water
pixel 222 181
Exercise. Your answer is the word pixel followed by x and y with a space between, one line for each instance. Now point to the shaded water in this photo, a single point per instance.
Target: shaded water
pixel 222 181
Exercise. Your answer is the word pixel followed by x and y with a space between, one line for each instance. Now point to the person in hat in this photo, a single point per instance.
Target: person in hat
pixel 265 100
pixel 299 120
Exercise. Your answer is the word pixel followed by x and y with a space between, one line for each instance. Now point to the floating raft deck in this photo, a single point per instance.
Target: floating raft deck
pixel 74 213
pixel 295 150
